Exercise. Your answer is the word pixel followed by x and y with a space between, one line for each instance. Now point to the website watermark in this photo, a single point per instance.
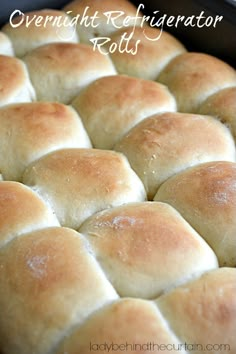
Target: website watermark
pixel 118 20
pixel 111 347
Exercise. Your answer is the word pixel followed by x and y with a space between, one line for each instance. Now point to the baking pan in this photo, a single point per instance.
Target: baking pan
pixel 219 41
pixel 7 7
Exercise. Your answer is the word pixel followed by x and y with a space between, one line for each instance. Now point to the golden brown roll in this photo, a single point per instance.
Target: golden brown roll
pixel 21 211
pixel 205 195
pixel 31 130
pixel 45 289
pixel 80 182
pixel 30 30
pixel 147 248
pixel 60 70
pixel 222 106
pixel 202 313
pixel 6 47
pixel 165 144
pixel 102 25
pixel 193 77
pixel 111 106
pixel 152 50
pixel 128 325
pixel 15 85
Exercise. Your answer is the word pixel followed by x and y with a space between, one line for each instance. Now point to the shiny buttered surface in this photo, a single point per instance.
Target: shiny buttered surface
pixel 117 186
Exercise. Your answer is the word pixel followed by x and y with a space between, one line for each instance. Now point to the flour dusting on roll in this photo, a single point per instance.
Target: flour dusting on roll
pixel 80 182
pixel 51 290
pixel 149 243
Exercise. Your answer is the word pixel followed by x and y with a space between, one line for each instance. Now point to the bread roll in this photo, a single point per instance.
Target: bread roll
pixel 149 243
pixel 153 49
pixel 202 313
pixel 222 106
pixel 35 28
pixel 15 85
pixel 80 182
pixel 205 195
pixel 60 70
pixel 6 47
pixel 128 325
pixel 103 25
pixel 21 211
pixel 45 289
pixel 111 106
pixel 165 144
pixel 31 130
pixel 193 77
